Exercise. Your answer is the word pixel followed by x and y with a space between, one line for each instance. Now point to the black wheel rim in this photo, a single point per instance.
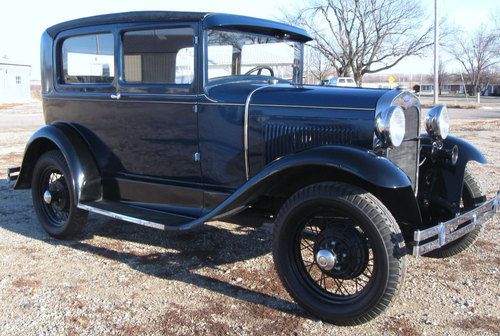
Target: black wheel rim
pixel 53 181
pixel 338 231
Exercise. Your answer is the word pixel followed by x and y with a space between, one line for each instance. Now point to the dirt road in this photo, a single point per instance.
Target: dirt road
pixel 125 279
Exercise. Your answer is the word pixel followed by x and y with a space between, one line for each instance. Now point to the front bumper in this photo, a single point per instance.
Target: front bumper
pixel 437 236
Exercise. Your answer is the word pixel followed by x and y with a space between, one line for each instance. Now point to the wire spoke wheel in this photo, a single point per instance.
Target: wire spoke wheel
pixel 53 197
pixel 342 238
pixel 339 252
pixel 54 193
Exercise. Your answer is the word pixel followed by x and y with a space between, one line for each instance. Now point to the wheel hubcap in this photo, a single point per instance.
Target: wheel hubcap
pixel 326 259
pixel 47 197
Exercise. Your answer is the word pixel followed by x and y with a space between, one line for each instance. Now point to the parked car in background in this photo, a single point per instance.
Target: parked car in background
pixel 341 81
pixel 170 120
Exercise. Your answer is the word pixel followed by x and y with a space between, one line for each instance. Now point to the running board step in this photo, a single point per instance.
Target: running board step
pixel 133 214
pixel 13 173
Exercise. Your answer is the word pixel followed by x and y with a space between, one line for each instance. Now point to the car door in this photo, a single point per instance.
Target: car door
pixel 157 133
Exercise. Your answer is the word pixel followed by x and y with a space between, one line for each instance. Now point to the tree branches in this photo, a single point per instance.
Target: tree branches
pixel 365 36
pixel 477 53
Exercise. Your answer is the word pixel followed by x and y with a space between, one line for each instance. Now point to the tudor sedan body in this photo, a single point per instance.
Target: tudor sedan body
pixel 170 120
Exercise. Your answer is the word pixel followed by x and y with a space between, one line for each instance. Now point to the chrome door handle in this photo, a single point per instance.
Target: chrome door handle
pixel 116 96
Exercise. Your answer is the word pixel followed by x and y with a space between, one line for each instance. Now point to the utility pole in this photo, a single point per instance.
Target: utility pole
pixel 436 52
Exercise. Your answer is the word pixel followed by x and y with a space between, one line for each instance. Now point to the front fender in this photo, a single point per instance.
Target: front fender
pixel 448 179
pixel 383 175
pixel 84 172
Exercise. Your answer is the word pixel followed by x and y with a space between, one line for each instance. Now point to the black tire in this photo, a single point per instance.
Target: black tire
pixel 351 220
pixel 472 196
pixel 60 218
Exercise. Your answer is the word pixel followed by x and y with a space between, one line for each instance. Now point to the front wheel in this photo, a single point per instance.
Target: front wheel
pixel 339 252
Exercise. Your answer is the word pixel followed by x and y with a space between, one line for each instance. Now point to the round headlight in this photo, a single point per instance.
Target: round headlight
pixel 437 122
pixel 390 126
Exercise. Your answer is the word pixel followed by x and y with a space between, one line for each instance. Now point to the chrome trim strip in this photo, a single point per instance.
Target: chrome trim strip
pixel 245 129
pixel 213 102
pixel 121 217
pixel 223 104
pixel 447 232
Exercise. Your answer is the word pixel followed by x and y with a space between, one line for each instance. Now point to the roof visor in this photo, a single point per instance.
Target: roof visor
pixel 255 25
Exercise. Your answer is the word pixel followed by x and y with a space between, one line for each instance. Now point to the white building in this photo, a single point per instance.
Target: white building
pixel 14 82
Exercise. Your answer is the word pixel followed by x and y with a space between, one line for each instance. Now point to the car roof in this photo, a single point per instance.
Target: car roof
pixel 209 20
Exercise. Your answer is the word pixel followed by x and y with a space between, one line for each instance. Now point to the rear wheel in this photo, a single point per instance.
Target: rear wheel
pixel 339 253
pixel 53 197
pixel 472 196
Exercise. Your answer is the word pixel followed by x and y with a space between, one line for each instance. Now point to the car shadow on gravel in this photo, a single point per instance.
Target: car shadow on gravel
pixel 202 257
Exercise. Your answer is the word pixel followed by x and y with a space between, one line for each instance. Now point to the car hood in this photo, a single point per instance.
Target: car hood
pixel 295 95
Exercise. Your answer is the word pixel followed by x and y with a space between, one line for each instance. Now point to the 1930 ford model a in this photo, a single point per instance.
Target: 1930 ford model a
pixel 170 120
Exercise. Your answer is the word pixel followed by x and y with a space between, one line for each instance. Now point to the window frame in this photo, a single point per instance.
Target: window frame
pixel 58 59
pixel 157 88
pixel 204 82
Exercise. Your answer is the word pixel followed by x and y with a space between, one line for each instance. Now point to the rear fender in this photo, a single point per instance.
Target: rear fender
pixel 84 172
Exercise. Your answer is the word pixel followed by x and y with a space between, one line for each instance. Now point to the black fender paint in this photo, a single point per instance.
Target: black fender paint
pixel 85 175
pixel 391 182
pixel 451 177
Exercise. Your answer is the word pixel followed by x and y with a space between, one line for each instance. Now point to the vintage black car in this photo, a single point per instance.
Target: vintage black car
pixel 170 120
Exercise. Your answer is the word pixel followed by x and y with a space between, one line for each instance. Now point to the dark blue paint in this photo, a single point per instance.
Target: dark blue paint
pixel 140 149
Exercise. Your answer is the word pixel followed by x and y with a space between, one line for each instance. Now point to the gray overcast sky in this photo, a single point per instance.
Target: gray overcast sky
pixel 23 21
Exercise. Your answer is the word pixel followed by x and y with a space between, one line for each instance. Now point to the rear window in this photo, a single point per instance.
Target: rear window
pixel 159 56
pixel 88 59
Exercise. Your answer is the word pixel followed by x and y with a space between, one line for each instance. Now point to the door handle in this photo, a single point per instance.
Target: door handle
pixel 116 96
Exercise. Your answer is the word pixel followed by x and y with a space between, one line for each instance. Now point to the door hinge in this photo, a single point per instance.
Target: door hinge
pixel 197 157
pixel 195 108
pixel 195 39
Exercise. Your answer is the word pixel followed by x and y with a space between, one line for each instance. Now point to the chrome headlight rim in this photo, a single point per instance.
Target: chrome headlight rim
pixel 390 126
pixel 437 122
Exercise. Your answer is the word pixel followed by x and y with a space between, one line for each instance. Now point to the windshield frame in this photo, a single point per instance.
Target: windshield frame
pixel 299 74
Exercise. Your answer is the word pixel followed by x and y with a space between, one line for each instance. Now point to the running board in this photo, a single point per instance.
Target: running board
pixel 13 173
pixel 151 218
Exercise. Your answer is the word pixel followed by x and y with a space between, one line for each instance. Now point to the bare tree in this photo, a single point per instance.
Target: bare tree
pixel 318 66
pixel 495 18
pixel 477 53
pixel 365 36
pixel 443 75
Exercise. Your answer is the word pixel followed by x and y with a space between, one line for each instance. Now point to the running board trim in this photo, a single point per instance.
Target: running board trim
pixel 121 217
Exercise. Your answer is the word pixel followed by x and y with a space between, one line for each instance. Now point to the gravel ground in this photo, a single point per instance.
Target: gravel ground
pixel 125 279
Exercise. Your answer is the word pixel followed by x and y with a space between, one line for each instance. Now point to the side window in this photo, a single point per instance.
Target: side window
pixel 159 56
pixel 88 59
pixel 342 80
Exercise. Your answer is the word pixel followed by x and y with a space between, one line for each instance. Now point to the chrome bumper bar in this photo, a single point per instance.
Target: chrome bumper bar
pixel 13 173
pixel 446 232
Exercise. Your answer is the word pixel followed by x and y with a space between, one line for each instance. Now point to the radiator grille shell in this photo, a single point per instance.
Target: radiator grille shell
pixel 406 156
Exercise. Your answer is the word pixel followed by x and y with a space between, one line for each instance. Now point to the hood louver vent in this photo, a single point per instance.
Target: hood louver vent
pixel 283 139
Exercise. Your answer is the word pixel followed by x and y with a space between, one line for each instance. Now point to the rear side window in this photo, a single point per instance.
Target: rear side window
pixel 88 59
pixel 159 56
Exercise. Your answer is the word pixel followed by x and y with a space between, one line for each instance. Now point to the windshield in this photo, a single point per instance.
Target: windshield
pixel 247 56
